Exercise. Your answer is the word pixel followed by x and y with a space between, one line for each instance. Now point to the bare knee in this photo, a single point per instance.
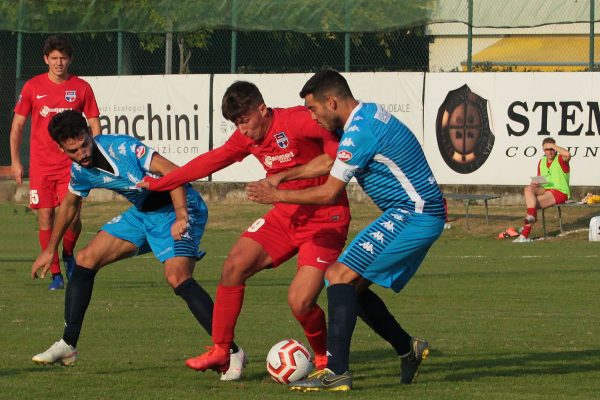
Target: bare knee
pixel 235 271
pixel 300 305
pixel 85 258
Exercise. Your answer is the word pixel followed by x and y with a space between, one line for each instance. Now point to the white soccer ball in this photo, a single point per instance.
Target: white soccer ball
pixel 288 361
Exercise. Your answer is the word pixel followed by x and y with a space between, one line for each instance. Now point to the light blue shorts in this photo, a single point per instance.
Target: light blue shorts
pixel 389 250
pixel 151 231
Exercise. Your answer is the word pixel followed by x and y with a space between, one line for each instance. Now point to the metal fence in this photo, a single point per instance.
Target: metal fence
pixel 448 35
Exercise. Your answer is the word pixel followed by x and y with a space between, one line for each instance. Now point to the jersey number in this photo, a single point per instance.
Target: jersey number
pixel 256 225
pixel 34 198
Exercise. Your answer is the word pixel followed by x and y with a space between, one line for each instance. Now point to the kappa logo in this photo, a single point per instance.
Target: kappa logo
pixel 70 95
pixel 140 151
pixel 344 155
pixel 107 179
pixel 368 247
pixel 347 142
pixel 353 128
pixel 378 235
pixel 122 149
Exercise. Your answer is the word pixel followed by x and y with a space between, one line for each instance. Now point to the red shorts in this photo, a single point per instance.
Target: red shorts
pixel 48 191
pixel 559 197
pixel 318 242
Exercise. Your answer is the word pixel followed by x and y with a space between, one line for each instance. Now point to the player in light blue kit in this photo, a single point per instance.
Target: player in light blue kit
pixel 389 164
pixel 170 224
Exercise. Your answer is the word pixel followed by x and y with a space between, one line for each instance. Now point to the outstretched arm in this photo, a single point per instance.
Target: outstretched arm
pixel 199 167
pixel 327 193
pixel 320 165
pixel 65 215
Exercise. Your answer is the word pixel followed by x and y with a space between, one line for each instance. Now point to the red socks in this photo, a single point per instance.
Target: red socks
pixel 315 329
pixel 44 238
pixel 69 241
pixel 526 231
pixel 228 304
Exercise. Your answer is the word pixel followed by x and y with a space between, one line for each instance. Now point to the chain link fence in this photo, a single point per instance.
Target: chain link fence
pixel 431 36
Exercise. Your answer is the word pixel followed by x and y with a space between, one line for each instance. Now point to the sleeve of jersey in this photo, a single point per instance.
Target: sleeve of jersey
pixel 200 167
pixel 78 185
pixel 90 107
pixel 355 150
pixel 23 106
pixel 302 122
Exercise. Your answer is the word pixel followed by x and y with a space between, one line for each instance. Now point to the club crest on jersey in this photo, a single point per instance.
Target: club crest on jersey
pixel 140 151
pixel 281 139
pixel 344 155
pixel 70 96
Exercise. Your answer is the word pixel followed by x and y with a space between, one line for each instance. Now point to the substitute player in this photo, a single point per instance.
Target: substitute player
pixel 280 139
pixel 43 96
pixel 168 224
pixel 389 164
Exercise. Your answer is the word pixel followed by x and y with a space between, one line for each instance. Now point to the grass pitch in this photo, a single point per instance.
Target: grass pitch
pixel 504 320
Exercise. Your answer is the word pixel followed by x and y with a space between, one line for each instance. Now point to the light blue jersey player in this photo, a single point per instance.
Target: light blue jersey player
pixel 169 224
pixel 389 164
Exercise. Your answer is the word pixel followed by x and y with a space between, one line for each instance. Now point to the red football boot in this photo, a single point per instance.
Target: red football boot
pixel 216 358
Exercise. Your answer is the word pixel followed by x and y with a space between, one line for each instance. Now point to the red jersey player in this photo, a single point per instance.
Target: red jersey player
pixel 280 139
pixel 43 96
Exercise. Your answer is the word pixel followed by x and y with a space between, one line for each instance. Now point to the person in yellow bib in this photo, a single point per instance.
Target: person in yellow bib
pixel 554 168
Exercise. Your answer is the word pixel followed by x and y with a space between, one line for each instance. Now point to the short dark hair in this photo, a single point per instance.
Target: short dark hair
pixel 326 82
pixel 69 124
pixel 548 140
pixel 239 98
pixel 60 43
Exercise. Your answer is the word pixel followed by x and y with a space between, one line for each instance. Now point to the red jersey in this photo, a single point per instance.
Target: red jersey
pixel 43 98
pixel 293 139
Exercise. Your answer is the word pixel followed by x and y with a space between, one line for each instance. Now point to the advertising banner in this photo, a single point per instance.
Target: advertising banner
pixel 488 128
pixel 169 113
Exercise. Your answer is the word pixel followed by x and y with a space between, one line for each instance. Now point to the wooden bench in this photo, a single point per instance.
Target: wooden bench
pixel 560 207
pixel 467 198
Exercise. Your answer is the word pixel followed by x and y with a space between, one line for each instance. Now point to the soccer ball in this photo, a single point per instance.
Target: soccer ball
pixel 288 361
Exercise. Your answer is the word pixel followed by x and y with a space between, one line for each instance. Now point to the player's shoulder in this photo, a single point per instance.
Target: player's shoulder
pixel 74 79
pixel 292 113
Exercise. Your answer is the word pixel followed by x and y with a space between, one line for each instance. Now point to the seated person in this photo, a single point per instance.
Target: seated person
pixel 554 167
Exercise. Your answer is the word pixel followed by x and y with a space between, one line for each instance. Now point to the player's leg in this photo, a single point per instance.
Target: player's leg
pixel 43 198
pixel 73 231
pixel 102 250
pixel 302 299
pixel 535 197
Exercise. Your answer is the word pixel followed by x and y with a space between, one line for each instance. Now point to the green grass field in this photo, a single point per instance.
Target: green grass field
pixel 504 320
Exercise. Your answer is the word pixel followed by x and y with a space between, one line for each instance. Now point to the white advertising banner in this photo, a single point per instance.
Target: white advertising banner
pixel 399 93
pixel 169 113
pixel 488 128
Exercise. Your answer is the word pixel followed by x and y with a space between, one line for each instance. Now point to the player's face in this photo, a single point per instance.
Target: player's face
pixel 255 123
pixel 549 151
pixel 58 64
pixel 323 112
pixel 79 149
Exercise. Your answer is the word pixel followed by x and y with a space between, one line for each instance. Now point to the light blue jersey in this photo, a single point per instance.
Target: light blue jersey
pixel 389 164
pixel 130 160
pixel 147 224
pixel 387 161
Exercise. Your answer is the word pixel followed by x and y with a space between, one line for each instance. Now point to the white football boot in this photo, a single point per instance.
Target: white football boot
pixel 237 362
pixel 59 352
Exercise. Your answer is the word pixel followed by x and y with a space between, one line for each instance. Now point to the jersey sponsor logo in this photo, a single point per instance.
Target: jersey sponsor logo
pixel 347 142
pixel 382 115
pixel 344 155
pixel 140 151
pixel 39 96
pixel 281 140
pixel 281 158
pixel 47 110
pixel 70 95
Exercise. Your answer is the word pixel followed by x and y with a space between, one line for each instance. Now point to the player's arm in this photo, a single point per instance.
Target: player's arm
pixel 162 166
pixel 327 193
pixel 16 138
pixel 320 165
pixel 64 216
pixel 94 124
pixel 198 168
pixel 564 153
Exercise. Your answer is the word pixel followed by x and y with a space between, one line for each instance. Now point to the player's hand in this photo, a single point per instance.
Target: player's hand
pixel 43 262
pixel 146 183
pixel 274 180
pixel 16 171
pixel 261 192
pixel 179 228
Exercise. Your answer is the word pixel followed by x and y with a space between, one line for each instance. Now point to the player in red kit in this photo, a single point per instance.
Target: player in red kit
pixel 280 139
pixel 43 96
